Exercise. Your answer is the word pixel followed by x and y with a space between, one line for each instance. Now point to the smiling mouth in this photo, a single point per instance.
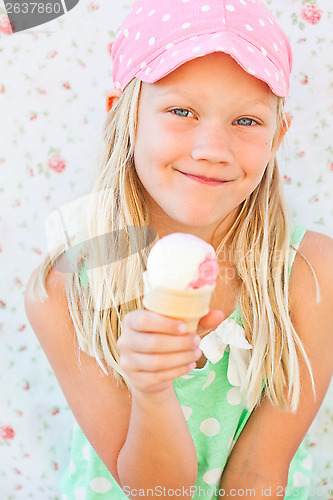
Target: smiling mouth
pixel 204 180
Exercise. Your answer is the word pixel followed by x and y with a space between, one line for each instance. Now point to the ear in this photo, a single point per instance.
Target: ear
pixel 112 97
pixel 283 130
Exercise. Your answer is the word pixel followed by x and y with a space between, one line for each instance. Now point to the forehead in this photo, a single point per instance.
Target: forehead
pixel 215 75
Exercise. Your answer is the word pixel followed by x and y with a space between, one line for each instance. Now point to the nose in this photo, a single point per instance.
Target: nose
pixel 212 143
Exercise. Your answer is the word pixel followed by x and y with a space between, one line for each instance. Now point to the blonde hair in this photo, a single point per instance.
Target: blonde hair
pixel 259 242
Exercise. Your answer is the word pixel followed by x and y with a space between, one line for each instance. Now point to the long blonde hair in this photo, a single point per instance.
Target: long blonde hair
pixel 259 242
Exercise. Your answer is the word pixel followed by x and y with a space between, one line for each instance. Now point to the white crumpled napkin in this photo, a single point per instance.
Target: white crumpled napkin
pixel 228 336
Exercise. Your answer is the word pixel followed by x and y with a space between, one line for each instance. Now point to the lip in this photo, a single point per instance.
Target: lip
pixel 204 180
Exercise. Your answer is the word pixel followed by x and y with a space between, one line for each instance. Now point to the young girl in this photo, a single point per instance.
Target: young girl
pixel 195 120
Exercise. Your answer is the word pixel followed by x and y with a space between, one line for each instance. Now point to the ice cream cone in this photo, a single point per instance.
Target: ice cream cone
pixel 186 305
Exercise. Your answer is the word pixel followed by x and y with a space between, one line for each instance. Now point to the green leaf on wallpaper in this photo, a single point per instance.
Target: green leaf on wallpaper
pixel 47 174
pixel 301 26
pixel 320 222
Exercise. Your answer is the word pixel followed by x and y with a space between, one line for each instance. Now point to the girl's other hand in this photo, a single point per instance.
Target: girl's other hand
pixel 153 352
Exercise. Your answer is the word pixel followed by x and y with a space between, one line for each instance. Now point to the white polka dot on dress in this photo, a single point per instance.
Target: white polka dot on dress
pixel 300 479
pixel 126 33
pixel 169 45
pixel 152 41
pixel 276 47
pixel 166 17
pixel 72 468
pixel 209 380
pixel 85 451
pixel 205 8
pixel 264 51
pixel 100 485
pixel 261 22
pixel 137 36
pixel 139 10
pixel 248 27
pixel 80 494
pixel 212 476
pixel 210 427
pixel 196 49
pixel 230 8
pixel 187 411
pixel 242 2
pixel 151 13
pixel 307 463
pixel 143 65
pixel 234 396
pixel 186 25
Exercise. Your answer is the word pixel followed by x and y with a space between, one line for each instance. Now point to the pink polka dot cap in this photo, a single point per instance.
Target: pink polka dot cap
pixel 158 36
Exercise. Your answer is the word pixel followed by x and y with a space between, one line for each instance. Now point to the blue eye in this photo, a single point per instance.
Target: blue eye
pixel 247 122
pixel 181 112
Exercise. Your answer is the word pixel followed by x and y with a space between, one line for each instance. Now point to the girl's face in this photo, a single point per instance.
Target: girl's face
pixel 208 118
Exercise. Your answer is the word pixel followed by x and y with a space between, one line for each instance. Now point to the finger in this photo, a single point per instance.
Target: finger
pixel 153 343
pixel 211 320
pixel 149 321
pixel 160 362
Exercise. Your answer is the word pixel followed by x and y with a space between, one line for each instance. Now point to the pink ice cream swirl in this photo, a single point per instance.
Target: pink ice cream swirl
pixel 207 273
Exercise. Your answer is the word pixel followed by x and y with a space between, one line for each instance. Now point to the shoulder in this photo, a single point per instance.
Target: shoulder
pixel 311 278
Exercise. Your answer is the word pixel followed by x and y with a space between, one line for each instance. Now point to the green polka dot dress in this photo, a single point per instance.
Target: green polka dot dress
pixel 211 402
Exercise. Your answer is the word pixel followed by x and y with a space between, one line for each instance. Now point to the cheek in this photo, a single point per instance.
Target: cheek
pixel 257 154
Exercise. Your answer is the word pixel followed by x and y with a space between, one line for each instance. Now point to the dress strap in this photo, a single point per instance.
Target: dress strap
pixel 297 235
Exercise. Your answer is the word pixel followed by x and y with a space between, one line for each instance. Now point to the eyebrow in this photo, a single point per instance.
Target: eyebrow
pixel 174 91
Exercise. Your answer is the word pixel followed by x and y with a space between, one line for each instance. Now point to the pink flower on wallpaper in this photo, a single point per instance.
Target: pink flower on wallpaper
pixel 109 47
pixel 6 432
pixel 5 26
pixel 2 88
pixel 57 163
pixel 93 6
pixel 305 80
pixel 311 13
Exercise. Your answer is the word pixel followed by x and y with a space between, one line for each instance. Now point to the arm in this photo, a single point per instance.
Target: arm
pixel 265 448
pixel 143 440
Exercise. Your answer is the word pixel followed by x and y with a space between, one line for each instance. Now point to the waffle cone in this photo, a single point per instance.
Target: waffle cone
pixel 186 305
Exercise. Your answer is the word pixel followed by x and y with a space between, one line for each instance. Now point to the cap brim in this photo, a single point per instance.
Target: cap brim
pixel 253 60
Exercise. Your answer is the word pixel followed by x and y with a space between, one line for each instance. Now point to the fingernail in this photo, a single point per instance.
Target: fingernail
pixel 196 340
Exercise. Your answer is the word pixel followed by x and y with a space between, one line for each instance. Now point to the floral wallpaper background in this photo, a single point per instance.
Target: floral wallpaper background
pixel 53 84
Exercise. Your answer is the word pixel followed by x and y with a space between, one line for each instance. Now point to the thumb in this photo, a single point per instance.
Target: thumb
pixel 211 320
